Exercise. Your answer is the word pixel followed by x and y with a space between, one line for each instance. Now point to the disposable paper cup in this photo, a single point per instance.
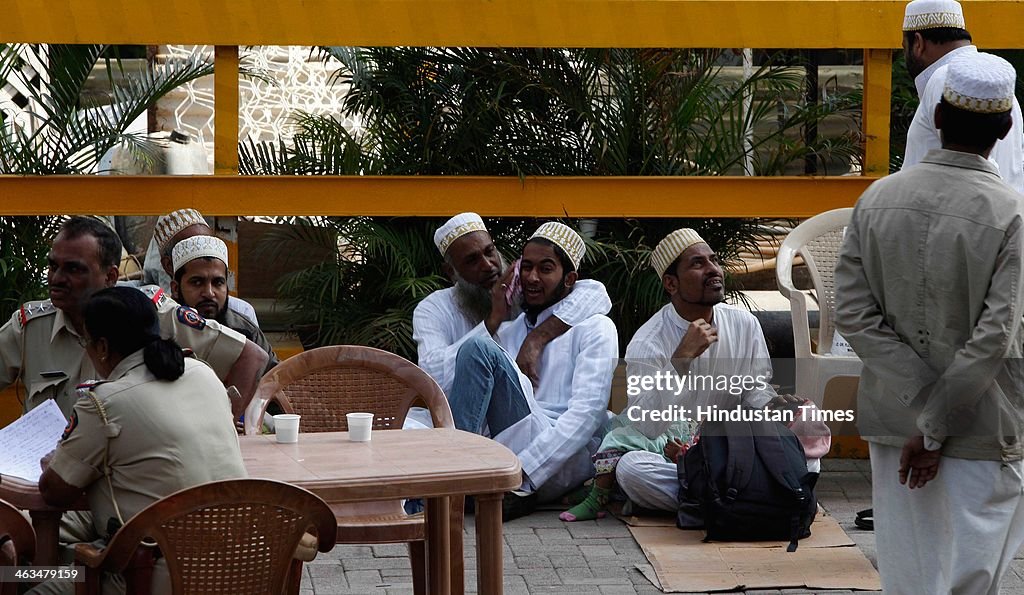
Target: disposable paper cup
pixel 359 426
pixel 286 427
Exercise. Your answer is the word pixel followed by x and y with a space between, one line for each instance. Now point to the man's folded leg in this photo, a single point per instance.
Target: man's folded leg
pixel 486 389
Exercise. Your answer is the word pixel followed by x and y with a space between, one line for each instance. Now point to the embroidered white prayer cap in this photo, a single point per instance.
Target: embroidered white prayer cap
pixel 170 224
pixel 455 228
pixel 565 238
pixel 671 247
pixel 195 247
pixel 933 14
pixel 981 83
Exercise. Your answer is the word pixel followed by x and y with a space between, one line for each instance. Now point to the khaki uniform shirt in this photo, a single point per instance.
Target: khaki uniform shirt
pixel 930 293
pixel 165 436
pixel 39 343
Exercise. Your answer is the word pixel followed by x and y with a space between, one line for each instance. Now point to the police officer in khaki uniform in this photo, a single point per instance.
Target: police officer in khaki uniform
pixel 125 444
pixel 42 343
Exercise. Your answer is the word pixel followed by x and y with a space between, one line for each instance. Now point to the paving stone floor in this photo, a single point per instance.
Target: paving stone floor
pixel 545 555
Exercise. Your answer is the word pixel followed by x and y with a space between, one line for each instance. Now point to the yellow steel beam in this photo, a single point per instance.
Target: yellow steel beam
pixel 551 23
pixel 877 93
pixel 225 110
pixel 432 196
pixel 544 23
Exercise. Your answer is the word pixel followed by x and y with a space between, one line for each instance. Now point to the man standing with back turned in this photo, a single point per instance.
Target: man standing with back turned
pixel 930 294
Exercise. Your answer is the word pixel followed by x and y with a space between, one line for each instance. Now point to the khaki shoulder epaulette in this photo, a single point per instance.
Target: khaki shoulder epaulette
pixel 155 293
pixel 32 310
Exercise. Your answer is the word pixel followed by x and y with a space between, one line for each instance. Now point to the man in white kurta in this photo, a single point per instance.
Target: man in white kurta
pixel 929 292
pixel 553 427
pixel 440 325
pixel 446 318
pixel 694 337
pixel 934 34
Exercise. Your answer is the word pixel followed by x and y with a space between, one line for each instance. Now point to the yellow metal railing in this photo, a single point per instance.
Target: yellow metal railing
pixel 873 25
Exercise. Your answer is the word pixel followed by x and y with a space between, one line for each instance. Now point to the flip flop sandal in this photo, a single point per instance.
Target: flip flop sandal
pixel 865 519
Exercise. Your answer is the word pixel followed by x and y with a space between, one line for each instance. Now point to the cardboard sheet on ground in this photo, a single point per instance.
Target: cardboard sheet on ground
pixel 682 562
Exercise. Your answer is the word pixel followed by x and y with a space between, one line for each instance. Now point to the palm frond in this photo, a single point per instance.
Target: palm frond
pixel 71 135
pixel 534 111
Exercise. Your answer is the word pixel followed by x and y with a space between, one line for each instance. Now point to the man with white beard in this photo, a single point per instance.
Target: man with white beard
pixel 446 318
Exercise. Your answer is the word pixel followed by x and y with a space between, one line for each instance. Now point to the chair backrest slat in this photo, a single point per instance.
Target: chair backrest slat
pixel 821 255
pixel 817 241
pixel 234 536
pixel 324 384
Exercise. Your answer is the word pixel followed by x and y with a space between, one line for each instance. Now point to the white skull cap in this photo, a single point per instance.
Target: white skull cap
pixel 455 228
pixel 170 224
pixel 195 247
pixel 671 247
pixel 981 83
pixel 933 14
pixel 565 238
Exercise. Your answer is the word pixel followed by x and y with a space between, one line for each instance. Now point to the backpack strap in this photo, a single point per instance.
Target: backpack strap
pixel 773 454
pixel 739 467
pixel 794 532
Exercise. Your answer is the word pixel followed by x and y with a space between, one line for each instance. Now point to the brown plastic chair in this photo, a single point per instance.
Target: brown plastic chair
pixel 233 536
pixel 16 530
pixel 324 384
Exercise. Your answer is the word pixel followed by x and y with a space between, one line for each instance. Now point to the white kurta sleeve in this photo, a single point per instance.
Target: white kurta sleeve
pixel 436 347
pixel 593 365
pixel 758 368
pixel 922 136
pixel 588 298
pixel 1008 153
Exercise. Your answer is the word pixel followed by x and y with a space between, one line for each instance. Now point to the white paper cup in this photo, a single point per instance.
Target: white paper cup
pixel 286 427
pixel 359 426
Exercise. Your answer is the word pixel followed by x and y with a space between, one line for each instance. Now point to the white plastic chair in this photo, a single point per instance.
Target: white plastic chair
pixel 817 241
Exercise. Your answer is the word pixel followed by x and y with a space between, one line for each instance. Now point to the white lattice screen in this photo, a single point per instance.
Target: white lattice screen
pixel 299 81
pixel 15 93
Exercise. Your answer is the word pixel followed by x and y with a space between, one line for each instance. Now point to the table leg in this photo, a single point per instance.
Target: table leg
pixel 456 526
pixel 489 564
pixel 47 526
pixel 439 580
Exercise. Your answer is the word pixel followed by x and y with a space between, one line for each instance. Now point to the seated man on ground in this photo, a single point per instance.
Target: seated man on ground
pixel 554 427
pixel 125 445
pixel 42 342
pixel 159 266
pixel 717 356
pixel 448 317
pixel 201 282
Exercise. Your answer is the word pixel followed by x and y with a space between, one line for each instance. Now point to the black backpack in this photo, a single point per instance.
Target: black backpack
pixel 747 481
